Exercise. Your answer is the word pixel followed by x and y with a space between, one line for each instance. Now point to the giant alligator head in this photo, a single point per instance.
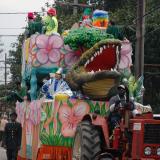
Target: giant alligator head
pixel 96 71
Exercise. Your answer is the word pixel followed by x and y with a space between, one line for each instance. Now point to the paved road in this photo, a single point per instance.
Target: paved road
pixel 2 154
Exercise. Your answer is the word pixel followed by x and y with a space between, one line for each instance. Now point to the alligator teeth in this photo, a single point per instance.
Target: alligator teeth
pixel 101 49
pixel 95 54
pixel 98 52
pixel 92 71
pixel 92 59
pixel 111 69
pixel 86 63
pixel 99 69
pixel 104 47
pixel 108 46
pixel 113 45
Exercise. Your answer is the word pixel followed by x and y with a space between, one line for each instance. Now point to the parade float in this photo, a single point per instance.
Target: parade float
pixel 94 64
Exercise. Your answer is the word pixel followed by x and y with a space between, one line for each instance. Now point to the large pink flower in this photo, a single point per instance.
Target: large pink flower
pixel 70 117
pixel 45 48
pixel 51 51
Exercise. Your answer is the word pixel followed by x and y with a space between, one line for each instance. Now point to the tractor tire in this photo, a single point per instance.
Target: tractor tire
pixel 87 142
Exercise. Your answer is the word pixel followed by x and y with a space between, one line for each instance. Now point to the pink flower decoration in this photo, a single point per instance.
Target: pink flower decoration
pixel 70 117
pixel 70 59
pixel 35 111
pixel 46 48
pixel 126 53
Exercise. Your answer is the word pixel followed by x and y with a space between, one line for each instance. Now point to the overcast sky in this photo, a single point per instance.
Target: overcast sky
pixel 15 20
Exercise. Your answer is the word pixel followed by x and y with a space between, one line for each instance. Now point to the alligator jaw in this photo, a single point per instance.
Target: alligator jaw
pixel 96 71
pixel 104 55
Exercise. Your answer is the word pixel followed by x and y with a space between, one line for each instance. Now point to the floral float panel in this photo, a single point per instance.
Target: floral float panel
pixel 62 117
pixel 47 51
pixel 29 115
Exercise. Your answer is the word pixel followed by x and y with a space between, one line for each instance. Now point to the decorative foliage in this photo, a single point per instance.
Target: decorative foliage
pixel 85 37
pixel 138 89
pixel 135 86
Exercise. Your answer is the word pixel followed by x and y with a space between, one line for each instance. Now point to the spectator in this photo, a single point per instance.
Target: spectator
pixel 3 123
pixel 12 137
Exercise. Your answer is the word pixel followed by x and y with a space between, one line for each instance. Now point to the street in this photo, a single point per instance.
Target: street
pixel 2 154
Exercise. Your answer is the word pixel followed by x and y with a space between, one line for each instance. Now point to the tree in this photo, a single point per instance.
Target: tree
pixel 110 5
pixel 15 58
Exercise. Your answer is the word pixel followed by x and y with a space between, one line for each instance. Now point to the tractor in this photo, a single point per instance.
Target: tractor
pixel 134 138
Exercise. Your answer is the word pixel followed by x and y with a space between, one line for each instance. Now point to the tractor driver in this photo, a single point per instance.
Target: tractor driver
pixel 117 104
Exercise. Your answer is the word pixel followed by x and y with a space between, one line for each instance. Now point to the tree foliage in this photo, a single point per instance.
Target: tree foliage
pixel 15 58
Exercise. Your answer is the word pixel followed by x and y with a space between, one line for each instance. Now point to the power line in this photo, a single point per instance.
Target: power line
pixel 17 12
pixel 146 14
pixel 12 28
pixel 9 35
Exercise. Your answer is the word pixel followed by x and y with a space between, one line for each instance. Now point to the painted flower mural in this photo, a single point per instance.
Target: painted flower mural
pixel 45 50
pixel 70 117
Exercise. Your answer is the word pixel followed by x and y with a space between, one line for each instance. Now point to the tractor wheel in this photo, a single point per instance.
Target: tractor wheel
pixel 87 142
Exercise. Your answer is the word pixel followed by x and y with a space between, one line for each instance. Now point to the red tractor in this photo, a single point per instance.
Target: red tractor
pixel 135 138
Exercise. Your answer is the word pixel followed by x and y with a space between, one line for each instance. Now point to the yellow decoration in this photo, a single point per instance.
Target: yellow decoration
pixel 27 49
pixel 65 33
pixel 61 96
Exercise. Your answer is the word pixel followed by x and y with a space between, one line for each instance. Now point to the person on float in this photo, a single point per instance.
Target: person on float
pixel 50 22
pixel 16 94
pixel 86 19
pixel 34 24
pixel 115 31
pixel 56 85
pixel 30 27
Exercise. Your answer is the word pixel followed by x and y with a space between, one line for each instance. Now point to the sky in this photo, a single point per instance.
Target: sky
pixel 15 21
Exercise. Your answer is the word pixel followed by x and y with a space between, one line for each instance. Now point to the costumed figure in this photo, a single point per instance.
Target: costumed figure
pixel 34 24
pixel 86 19
pixel 56 85
pixel 100 19
pixel 115 30
pixel 50 22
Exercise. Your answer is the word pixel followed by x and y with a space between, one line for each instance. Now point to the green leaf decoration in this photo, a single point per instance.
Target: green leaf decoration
pixel 85 37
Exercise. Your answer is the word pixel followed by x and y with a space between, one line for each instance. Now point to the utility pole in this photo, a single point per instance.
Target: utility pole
pixel 5 70
pixel 75 9
pixel 140 31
